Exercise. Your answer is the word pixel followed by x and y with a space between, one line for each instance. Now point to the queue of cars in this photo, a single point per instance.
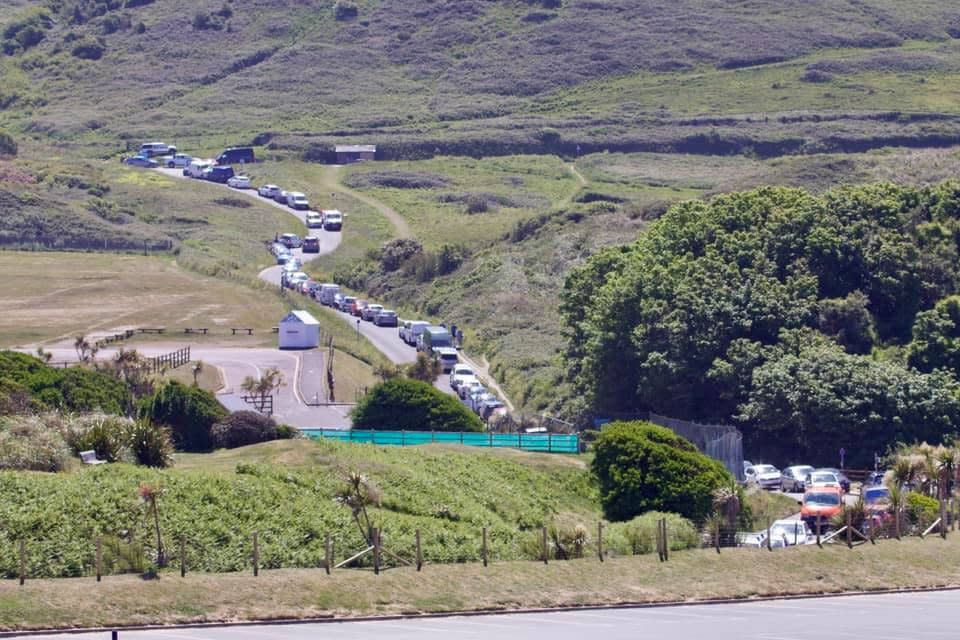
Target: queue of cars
pixel 794 479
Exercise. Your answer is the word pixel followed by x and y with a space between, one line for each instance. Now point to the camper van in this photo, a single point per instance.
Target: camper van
pixel 326 293
pixel 410 329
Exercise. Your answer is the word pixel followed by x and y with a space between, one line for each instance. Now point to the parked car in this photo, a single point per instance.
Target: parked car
pixel 874 478
pixel 141 161
pixel 239 182
pixel 794 478
pixel 219 174
pixel 295 278
pixel 791 532
pixel 297 200
pixel 841 477
pixel 293 263
pixel 824 502
pixel 314 220
pixel 236 155
pixel 328 291
pixel 311 244
pixel 358 308
pixel 197 168
pixel 269 191
pixel 411 330
pixel 347 303
pixel 468 386
pixel 150 149
pixel 460 373
pixel 765 476
pixel 385 318
pixel 478 400
pixel 370 311
pixel 332 220
pixel 307 286
pixel 281 197
pixel 312 288
pixel 491 408
pixel 277 247
pixel 290 240
pixel 178 160
pixel 474 396
pixel 284 256
pixel 876 506
pixel 824 478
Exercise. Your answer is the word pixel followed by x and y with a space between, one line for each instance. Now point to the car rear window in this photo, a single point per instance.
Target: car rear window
pixel 826 499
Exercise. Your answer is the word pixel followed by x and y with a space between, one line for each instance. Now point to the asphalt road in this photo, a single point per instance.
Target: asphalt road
pixel 929 616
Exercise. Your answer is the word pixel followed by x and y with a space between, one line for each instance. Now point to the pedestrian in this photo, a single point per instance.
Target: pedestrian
pixel 460 337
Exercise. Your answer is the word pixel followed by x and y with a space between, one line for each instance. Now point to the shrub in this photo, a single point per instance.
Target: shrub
pixel 203 21
pixel 401 403
pixel 644 467
pixel 190 412
pixel 241 428
pixel 8 146
pixel 107 435
pixel 73 389
pixel 88 49
pixel 287 432
pixel 344 10
pixel 921 509
pixel 638 536
pixel 151 444
pixel 28 443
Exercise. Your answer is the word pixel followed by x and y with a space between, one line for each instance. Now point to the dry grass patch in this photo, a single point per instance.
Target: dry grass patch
pixel 298 593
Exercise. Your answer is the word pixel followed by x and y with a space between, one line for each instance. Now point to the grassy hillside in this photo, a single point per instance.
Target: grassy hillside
pixel 286 490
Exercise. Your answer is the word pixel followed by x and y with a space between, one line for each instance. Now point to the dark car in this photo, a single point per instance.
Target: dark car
pixel 311 244
pixel 220 174
pixel 236 155
pixel 141 161
pixel 844 480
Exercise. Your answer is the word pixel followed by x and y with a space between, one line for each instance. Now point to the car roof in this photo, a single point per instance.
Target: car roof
pixel 822 489
pixel 311 238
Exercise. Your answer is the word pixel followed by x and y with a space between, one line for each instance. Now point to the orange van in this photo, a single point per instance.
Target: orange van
pixel 824 502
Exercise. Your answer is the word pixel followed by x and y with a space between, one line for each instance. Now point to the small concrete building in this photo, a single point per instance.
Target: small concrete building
pixel 348 153
pixel 299 330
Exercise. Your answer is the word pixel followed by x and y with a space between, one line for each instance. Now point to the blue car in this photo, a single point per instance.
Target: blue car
pixel 141 161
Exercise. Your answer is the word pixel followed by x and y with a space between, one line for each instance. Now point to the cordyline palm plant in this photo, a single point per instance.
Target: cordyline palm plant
pixel 358 492
pixel 150 494
pixel 945 461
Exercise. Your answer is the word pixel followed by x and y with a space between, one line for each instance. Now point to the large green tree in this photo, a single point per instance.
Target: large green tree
pixel 190 412
pixel 936 337
pixel 404 404
pixel 645 467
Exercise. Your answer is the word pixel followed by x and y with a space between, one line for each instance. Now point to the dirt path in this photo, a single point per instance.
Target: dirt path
pixel 331 182
pixel 581 183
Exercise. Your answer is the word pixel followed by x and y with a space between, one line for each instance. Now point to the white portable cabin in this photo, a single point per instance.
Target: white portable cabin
pixel 299 330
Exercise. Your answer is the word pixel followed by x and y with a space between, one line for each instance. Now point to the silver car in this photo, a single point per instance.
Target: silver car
pixel 765 476
pixel 794 479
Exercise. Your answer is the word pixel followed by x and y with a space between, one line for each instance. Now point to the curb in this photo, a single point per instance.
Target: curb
pixel 331 619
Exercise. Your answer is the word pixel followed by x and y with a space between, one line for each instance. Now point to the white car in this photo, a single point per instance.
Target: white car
pixel 314 220
pixel 296 200
pixel 178 160
pixel 150 149
pixel 791 532
pixel 460 373
pixel 467 387
pixel 477 401
pixel 269 191
pixel 239 182
pixel 823 479
pixel 332 220
pixel 472 397
pixel 765 476
pixel 197 168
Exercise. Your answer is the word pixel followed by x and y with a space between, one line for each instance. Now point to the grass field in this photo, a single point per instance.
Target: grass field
pixel 688 576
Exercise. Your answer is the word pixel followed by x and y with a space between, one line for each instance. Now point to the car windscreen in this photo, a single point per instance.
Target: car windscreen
pixel 824 477
pixel 765 468
pixel 788 530
pixel 876 495
pixel 822 499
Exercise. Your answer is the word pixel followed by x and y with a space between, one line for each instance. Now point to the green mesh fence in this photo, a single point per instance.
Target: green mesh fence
pixel 545 442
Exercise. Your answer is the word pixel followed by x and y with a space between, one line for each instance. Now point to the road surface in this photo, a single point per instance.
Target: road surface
pixel 929 616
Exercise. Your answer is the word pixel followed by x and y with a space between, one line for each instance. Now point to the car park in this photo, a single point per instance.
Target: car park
pixel 291 240
pixel 821 502
pixel 218 174
pixel 764 476
pixel 332 220
pixel 822 478
pixel 296 200
pixel 841 477
pixel 460 373
pixel 236 155
pixel 178 160
pixel 794 478
pixel 386 318
pixel 311 244
pixel 268 191
pixel 370 311
pixel 151 149
pixel 314 220
pixel 141 161
pixel 239 182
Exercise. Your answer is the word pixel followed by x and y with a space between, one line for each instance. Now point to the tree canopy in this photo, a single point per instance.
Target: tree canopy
pixel 404 404
pixel 678 321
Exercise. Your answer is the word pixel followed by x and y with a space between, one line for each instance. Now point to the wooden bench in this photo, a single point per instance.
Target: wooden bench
pixel 234 330
pixel 90 457
pixel 151 330
pixel 202 330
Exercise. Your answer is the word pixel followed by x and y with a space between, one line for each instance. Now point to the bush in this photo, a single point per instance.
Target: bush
pixel 922 510
pixel 108 436
pixel 638 536
pixel 8 146
pixel 344 10
pixel 241 428
pixel 644 467
pixel 151 444
pixel 203 21
pixel 88 49
pixel 28 443
pixel 76 389
pixel 287 432
pixel 190 412
pixel 404 404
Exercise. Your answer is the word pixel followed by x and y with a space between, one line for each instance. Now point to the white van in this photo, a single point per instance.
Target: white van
pixel 326 293
pixel 296 200
pixel 197 168
pixel 411 329
pixel 150 149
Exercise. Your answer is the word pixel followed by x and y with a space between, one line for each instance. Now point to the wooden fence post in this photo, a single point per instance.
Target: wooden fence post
pixel 600 540
pixel 818 531
pixel 544 549
pixel 23 562
pixel 896 521
pixel 943 519
pixel 849 529
pixel 183 555
pixel 376 551
pixel 666 541
pixel 99 557
pixel 419 551
pixel 659 541
pixel 769 540
pixel 484 546
pixel 256 554
pixel 716 535
pixel 327 555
